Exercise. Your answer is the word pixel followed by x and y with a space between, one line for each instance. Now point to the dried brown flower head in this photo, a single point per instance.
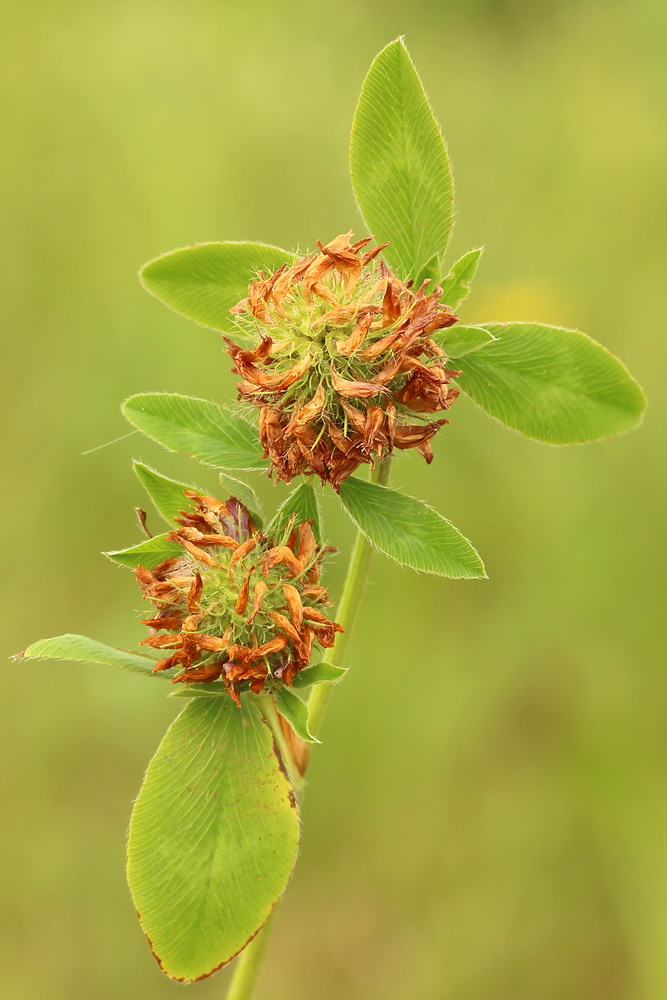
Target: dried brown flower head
pixel 236 605
pixel 345 369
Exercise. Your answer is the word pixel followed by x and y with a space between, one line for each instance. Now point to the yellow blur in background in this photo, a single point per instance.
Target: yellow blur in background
pixel 486 819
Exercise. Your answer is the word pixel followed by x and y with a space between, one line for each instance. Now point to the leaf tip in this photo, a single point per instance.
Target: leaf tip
pixel 397 42
pixel 114 557
pixel 141 275
pixel 127 404
pixel 145 274
pixel 31 652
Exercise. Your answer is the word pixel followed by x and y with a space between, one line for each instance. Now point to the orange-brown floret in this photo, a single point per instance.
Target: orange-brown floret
pixel 236 606
pixel 345 367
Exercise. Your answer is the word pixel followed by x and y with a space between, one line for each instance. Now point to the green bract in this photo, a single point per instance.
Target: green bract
pixel 295 711
pixel 302 504
pixel 317 673
pixel 168 495
pixel 234 487
pixel 456 285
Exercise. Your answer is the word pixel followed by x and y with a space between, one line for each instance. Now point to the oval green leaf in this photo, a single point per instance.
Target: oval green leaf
pixel 149 553
pixel 203 282
pixel 410 531
pixel 399 165
pixel 212 434
pixel 213 837
pixel 551 384
pixel 81 649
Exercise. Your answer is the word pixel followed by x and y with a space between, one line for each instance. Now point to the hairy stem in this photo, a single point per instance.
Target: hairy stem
pixel 249 963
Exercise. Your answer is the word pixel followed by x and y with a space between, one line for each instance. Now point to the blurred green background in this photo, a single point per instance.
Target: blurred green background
pixel 486 819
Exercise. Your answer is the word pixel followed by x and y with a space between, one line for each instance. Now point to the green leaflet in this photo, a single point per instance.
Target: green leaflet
pixel 212 689
pixel 213 837
pixel 168 495
pixel 213 434
pixel 458 340
pixel 399 165
pixel 149 553
pixel 318 673
pixel 552 384
pixel 302 502
pixel 295 711
pixel 456 285
pixel 203 282
pixel 79 648
pixel 409 531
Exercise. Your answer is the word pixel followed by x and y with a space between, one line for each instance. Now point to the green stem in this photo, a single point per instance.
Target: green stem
pixel 346 615
pixel 249 962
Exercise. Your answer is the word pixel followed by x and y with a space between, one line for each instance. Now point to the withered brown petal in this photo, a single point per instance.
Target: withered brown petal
pixel 212 643
pixel 242 551
pixel 195 592
pixel 307 544
pixel 357 337
pixel 171 623
pixel 281 554
pixel 309 411
pixel 199 554
pixel 315 616
pixel 283 623
pixel 272 646
pixel 244 593
pixel 355 389
pixel 294 604
pixel 198 675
